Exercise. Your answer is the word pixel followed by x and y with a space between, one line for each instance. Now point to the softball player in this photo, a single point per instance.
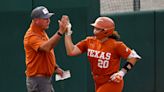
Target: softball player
pixel 104 51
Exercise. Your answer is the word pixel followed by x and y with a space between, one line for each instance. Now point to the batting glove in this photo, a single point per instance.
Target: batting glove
pixel 117 77
pixel 69 31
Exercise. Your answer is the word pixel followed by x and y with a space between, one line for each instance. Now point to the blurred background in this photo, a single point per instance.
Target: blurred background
pixel 139 22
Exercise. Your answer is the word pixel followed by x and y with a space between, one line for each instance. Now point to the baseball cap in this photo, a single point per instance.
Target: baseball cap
pixel 40 12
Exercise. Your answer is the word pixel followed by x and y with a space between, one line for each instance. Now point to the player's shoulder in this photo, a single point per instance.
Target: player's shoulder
pixel 90 38
pixel 116 42
pixel 120 44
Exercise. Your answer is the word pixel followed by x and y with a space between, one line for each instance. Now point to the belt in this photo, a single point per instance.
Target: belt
pixel 40 75
pixel 98 75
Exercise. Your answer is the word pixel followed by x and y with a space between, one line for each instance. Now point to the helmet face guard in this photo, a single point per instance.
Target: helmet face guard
pixel 106 24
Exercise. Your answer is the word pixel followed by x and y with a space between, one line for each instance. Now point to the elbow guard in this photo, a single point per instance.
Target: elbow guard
pixel 133 54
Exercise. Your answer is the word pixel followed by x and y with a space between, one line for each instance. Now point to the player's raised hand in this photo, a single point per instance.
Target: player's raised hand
pixel 69 31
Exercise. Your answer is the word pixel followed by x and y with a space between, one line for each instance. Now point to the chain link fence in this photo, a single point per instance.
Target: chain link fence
pixel 117 6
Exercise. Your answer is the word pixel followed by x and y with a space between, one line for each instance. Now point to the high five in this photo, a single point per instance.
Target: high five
pixel 104 51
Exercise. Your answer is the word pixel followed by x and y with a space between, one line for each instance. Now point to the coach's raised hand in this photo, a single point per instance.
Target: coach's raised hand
pixel 63 24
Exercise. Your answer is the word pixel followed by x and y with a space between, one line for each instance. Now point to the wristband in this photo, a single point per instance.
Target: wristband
pixel 128 66
pixel 68 32
pixel 60 34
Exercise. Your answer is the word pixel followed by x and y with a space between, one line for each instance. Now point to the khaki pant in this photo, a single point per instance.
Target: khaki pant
pixel 39 84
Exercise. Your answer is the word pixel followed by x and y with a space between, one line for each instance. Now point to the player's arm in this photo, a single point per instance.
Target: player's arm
pixel 52 42
pixel 71 49
pixel 131 60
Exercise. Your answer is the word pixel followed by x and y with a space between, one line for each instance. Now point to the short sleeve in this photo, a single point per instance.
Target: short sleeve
pixel 35 42
pixel 123 50
pixel 82 45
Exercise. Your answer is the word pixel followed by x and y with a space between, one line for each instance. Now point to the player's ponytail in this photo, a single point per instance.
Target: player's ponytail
pixel 115 35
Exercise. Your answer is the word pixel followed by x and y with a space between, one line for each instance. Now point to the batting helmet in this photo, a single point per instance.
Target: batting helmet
pixel 105 23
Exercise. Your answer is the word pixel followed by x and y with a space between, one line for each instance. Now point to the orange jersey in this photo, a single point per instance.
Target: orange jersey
pixel 104 57
pixel 37 62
